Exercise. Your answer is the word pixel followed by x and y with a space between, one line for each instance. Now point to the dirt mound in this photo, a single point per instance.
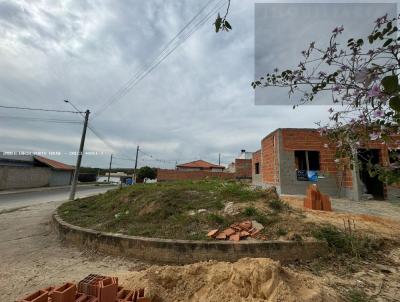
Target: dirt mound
pixel 248 279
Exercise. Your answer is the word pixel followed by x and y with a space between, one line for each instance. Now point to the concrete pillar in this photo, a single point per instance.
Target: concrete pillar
pixel 355 176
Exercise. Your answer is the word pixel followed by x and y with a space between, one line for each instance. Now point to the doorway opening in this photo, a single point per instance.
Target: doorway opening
pixel 371 184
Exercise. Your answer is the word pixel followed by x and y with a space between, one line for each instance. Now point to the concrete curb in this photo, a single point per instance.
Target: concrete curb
pixel 173 251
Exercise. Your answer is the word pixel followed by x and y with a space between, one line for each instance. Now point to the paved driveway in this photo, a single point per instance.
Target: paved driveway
pixel 369 207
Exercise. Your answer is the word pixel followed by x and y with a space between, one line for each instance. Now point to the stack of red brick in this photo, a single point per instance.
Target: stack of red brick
pixel 94 288
pixel 237 231
pixel 315 200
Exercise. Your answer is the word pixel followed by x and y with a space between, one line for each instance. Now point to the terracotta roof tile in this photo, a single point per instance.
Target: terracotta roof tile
pixel 199 164
pixel 54 164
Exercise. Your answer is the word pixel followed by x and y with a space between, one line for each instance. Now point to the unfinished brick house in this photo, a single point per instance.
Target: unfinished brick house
pixel 290 159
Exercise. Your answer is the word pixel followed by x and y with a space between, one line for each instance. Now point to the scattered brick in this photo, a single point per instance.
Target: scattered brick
pixel 221 236
pixel 246 225
pixel 244 234
pixel 64 293
pixel 228 232
pixel 239 231
pixel 107 290
pixel 235 237
pixel 90 284
pixel 212 233
pixel 38 296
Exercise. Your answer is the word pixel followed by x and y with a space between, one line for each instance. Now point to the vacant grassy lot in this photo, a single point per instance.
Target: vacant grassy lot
pixel 185 210
pixel 188 210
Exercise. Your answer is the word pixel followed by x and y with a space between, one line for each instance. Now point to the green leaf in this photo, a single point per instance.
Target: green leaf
pixel 394 103
pixel 390 84
pixel 388 41
pixel 228 25
pixel 218 23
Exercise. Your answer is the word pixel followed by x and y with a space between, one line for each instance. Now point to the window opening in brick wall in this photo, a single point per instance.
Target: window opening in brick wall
pixel 257 168
pixel 307 160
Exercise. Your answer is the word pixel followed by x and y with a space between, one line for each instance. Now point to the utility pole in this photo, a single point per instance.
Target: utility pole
pixel 109 169
pixel 219 159
pixel 137 154
pixel 79 159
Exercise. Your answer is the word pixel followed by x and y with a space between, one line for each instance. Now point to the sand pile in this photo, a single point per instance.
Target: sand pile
pixel 245 280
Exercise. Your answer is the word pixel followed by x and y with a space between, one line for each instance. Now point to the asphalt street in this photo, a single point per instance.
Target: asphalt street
pixel 24 198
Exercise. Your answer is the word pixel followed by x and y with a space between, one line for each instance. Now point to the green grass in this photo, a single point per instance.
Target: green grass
pixel 277 205
pixel 353 244
pixel 357 295
pixel 164 210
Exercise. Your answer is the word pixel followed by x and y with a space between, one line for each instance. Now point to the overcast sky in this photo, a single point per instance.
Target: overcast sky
pixel 197 103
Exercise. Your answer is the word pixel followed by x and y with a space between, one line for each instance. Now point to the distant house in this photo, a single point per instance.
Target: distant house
pixel 242 165
pixel 200 165
pixel 29 171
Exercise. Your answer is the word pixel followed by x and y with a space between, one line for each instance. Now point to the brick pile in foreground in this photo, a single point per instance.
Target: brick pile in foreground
pixel 93 288
pixel 315 200
pixel 239 231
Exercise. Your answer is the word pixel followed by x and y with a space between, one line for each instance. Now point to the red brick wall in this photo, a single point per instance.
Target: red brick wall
pixel 243 168
pixel 168 175
pixel 256 158
pixel 269 161
pixel 311 140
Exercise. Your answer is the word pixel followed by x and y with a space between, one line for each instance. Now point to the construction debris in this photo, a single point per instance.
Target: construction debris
pixel 93 288
pixel 239 231
pixel 315 200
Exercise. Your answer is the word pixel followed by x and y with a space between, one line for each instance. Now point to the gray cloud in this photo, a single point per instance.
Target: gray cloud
pixel 196 104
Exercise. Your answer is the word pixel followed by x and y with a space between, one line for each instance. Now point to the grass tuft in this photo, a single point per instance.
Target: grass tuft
pixel 356 245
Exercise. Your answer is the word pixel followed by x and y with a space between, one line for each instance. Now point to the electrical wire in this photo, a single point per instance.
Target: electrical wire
pixel 120 91
pixel 32 119
pixel 138 77
pixel 39 109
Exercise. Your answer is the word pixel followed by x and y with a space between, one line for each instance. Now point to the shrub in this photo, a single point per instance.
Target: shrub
pixel 250 211
pixel 356 295
pixel 277 205
pixel 281 232
pixel 216 218
pixel 356 245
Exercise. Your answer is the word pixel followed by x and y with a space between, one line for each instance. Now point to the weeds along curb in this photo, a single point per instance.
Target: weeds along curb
pixel 171 251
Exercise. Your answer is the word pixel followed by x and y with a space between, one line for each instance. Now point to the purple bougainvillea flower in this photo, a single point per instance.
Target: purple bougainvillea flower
pixel 338 30
pixel 361 75
pixel 378 113
pixel 374 91
pixel 323 130
pixel 381 20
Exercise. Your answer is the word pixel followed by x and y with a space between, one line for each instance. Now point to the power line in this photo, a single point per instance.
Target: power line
pixel 32 119
pixel 123 88
pixel 139 76
pixel 122 158
pixel 39 109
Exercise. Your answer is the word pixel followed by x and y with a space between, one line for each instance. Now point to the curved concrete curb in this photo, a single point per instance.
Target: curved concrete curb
pixel 184 251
